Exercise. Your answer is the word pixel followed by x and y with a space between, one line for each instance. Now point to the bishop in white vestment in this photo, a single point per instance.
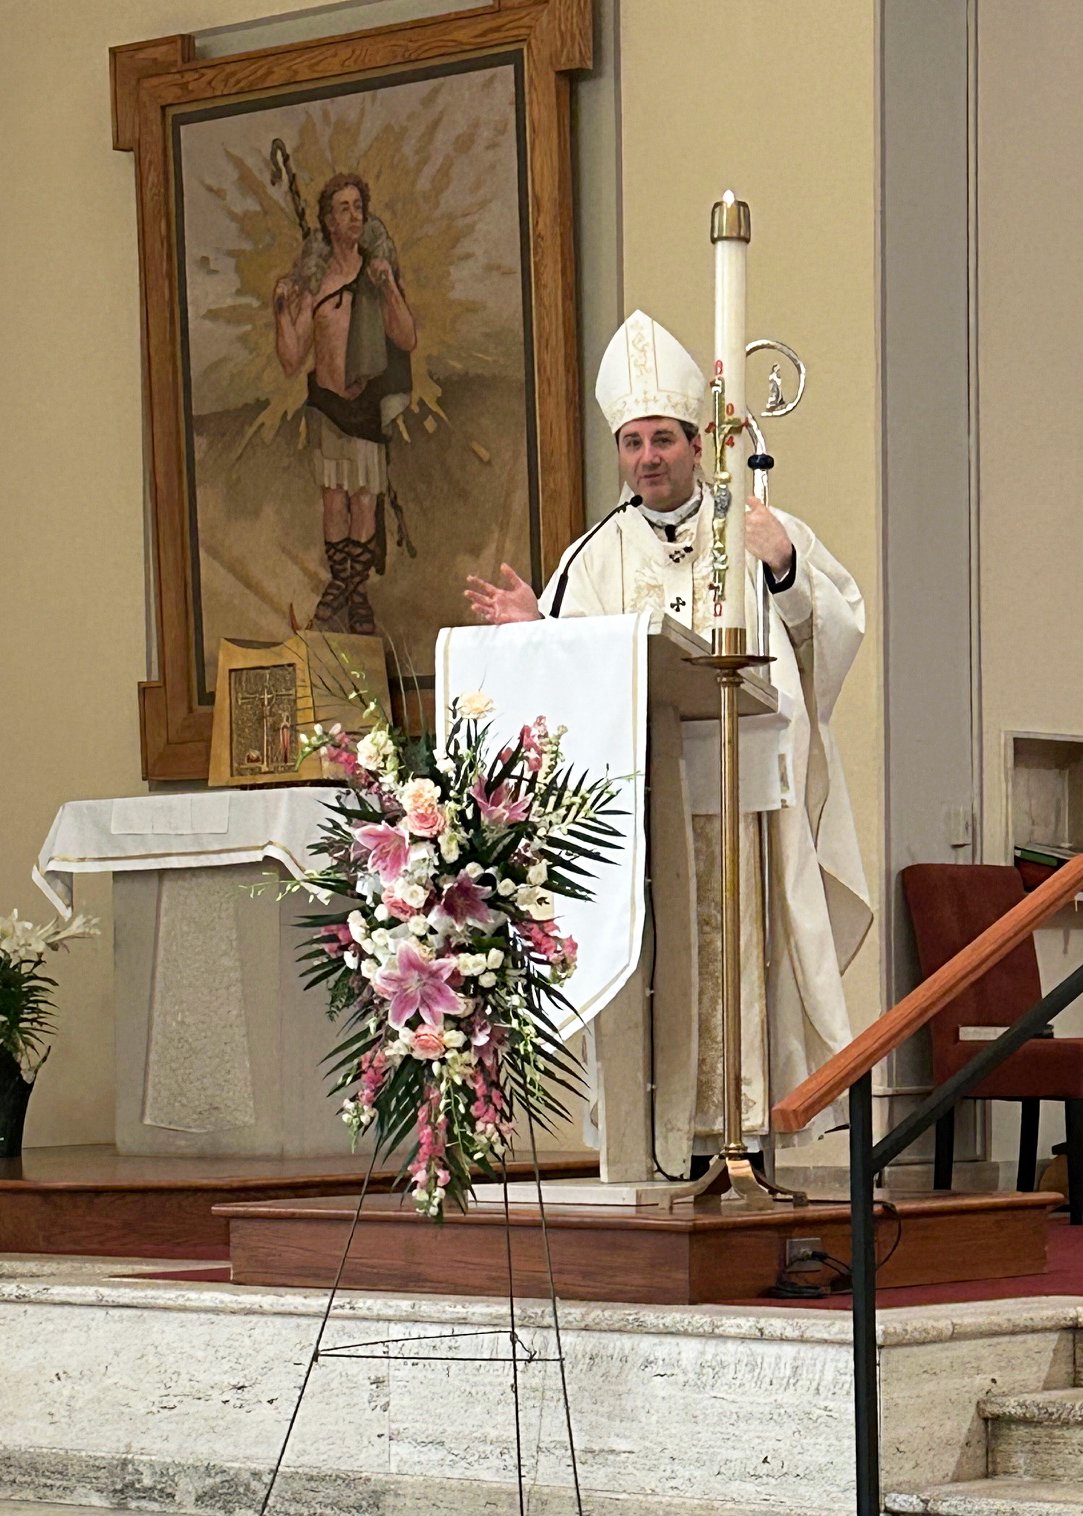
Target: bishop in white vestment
pixel 654 552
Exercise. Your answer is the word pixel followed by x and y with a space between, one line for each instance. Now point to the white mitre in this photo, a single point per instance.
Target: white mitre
pixel 646 372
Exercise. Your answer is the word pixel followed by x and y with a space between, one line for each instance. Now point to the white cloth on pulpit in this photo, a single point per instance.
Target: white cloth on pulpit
pixel 819 904
pixel 591 678
pixel 181 831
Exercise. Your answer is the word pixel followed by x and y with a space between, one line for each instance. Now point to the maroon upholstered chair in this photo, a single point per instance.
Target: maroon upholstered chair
pixel 951 904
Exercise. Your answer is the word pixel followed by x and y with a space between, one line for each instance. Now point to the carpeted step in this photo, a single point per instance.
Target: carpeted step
pixel 1036 1435
pixel 999 1496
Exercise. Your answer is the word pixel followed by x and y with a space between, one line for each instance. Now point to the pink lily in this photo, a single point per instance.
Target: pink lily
pixel 463 904
pixel 388 848
pixel 417 984
pixel 497 807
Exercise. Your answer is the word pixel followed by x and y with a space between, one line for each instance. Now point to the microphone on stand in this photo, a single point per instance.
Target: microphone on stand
pixel 562 582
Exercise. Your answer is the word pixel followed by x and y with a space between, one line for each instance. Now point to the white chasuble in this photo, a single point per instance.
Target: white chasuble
pixel 818 898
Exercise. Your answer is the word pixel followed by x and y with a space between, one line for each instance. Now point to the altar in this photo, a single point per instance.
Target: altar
pixel 217 1047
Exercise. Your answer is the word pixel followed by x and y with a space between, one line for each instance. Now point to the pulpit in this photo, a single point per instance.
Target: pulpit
pixel 632 698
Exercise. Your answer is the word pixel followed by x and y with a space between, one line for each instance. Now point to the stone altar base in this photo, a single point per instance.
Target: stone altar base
pixel 175 1397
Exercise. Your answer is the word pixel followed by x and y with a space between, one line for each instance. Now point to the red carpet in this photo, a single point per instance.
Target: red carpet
pixel 1063 1276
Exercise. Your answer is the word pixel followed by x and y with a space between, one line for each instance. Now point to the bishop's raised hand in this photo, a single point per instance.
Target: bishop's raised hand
pixel 513 600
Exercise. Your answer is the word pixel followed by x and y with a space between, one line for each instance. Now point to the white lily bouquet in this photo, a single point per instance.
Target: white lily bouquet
pixel 26 1012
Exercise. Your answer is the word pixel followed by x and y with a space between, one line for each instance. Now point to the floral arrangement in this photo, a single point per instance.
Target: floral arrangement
pixel 26 1008
pixel 445 971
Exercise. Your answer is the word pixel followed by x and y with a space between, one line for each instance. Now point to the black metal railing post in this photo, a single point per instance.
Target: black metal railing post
pixel 863 1267
pixel 867 1159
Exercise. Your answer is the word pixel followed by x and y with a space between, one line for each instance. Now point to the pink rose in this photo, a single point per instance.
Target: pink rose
pixel 421 802
pixel 427 1043
pixel 397 908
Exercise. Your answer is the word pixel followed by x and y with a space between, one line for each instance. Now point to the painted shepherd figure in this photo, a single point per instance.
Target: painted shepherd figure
pixel 343 302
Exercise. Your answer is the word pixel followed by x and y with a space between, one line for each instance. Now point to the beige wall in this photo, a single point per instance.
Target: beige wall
pixel 796 137
pixel 71 481
pixel 794 133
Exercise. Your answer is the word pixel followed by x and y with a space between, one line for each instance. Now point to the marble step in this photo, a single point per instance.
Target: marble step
pixel 36 1508
pixel 1035 1435
pixel 998 1496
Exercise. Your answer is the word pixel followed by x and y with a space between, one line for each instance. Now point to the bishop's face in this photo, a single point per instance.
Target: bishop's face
pixel 658 461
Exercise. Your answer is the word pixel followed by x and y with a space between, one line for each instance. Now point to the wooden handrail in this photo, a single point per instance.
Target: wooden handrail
pixel 836 1076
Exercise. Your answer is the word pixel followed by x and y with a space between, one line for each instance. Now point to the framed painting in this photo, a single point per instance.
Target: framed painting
pixel 360 365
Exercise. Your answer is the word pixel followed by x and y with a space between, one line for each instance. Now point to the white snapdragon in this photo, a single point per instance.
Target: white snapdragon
pixel 376 751
pixel 421 861
pixel 418 926
pixel 350 958
pixel 470 964
pixel 487 980
pixel 494 958
pixel 370 967
pixel 382 913
pixel 450 846
pixel 359 927
pixel 537 873
pixel 412 895
pixel 537 903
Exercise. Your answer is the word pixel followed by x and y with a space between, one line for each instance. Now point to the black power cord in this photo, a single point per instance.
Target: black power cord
pixel 787 1288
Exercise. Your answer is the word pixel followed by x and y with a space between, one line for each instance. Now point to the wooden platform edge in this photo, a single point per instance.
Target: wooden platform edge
pixel 638 1259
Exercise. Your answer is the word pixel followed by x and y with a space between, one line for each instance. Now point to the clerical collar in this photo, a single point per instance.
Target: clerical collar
pixel 668 522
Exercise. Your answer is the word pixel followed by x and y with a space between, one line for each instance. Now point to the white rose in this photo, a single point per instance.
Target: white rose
pixel 474 705
pixel 418 925
pixel 381 938
pixel 370 967
pixel 473 871
pixel 487 980
pixel 494 958
pixel 506 887
pixel 412 895
pixel 538 873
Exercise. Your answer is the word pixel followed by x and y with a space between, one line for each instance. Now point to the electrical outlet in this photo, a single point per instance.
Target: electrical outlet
pixel 798 1250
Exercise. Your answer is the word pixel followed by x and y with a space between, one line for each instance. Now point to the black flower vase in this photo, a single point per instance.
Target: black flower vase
pixel 14 1099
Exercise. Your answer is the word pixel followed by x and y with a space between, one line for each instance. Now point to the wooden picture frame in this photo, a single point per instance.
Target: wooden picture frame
pixel 158 89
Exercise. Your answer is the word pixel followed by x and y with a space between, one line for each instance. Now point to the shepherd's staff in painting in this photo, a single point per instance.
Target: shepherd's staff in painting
pixel 280 164
pixel 343 303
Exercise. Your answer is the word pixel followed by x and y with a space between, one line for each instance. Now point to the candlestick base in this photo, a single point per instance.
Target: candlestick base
pixel 729 663
pixel 748 1190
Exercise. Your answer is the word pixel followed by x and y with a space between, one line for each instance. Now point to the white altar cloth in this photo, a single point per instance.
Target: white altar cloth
pixel 181 831
pixel 590 675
